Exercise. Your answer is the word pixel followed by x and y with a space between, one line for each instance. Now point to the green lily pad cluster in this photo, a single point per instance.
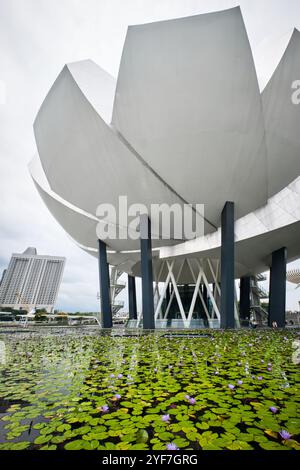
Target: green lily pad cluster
pixel 226 390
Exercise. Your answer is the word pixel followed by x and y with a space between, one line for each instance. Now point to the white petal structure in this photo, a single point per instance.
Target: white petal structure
pixel 282 119
pixel 79 224
pixel 85 161
pixel 188 101
pixel 183 123
pixel 257 235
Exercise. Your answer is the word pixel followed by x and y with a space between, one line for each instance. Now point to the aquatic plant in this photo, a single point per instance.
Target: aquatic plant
pixel 94 391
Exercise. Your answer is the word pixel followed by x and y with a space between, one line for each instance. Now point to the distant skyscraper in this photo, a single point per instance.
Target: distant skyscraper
pixel 31 281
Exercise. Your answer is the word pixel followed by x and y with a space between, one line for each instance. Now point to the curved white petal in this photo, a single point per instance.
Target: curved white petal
pixel 188 101
pixel 79 225
pixel 184 123
pixel 82 226
pixel 282 119
pixel 85 161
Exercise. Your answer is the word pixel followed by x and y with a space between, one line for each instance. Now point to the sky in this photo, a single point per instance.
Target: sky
pixel 37 37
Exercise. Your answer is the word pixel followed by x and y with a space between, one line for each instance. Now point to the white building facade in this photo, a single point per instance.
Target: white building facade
pixel 184 123
pixel 31 281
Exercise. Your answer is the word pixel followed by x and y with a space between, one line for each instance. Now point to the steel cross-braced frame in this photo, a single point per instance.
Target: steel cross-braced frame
pixel 199 278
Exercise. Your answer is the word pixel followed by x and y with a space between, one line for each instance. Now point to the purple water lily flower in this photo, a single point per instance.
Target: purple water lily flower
pixel 172 446
pixel 240 382
pixel 273 409
pixel 120 376
pixel 187 397
pixel 231 386
pixel 165 418
pixel 285 435
pixel 117 396
pixel 104 408
pixel 269 369
pixel 112 376
pixel 192 401
pixel 155 369
pixel 269 364
pixel 259 377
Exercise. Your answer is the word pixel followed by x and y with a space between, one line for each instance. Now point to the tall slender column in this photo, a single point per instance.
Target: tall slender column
pixel 168 295
pixel 147 273
pixel 106 315
pixel 132 298
pixel 245 297
pixel 227 266
pixel 204 294
pixel 278 288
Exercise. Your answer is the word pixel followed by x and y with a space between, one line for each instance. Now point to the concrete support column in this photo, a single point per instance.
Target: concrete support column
pixel 245 283
pixel 147 273
pixel 168 295
pixel 278 288
pixel 106 315
pixel 132 298
pixel 227 266
pixel 204 295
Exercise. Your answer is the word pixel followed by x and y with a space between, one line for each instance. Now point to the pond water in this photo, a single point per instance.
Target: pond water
pixel 85 390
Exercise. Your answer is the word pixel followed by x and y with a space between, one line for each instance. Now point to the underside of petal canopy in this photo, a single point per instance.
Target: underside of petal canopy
pixel 85 161
pixel 258 234
pixel 188 101
pixel 82 226
pixel 79 226
pixel 282 119
pixel 253 255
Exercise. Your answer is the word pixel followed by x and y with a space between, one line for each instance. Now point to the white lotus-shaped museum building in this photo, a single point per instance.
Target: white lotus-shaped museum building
pixel 184 123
